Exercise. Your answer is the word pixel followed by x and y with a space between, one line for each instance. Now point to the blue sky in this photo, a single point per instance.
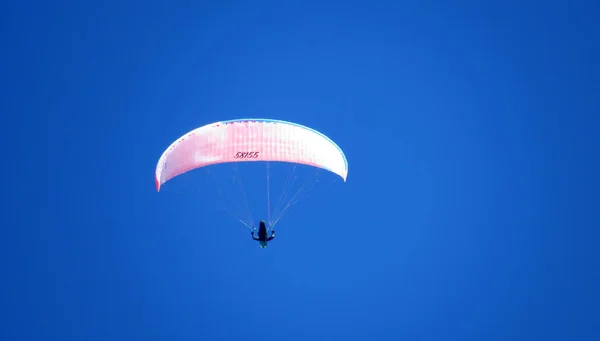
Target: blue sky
pixel 470 210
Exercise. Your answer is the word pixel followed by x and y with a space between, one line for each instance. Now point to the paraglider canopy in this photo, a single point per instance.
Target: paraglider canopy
pixel 250 140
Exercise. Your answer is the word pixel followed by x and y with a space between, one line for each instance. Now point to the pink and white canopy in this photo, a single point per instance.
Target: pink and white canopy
pixel 248 140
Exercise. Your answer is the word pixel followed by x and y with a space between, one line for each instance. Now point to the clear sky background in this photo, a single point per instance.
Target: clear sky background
pixel 470 210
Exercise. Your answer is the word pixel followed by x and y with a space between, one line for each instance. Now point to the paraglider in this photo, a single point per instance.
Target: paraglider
pixel 250 140
pixel 262 234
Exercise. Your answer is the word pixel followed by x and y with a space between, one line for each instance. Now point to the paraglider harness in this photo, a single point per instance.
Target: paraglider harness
pixel 262 234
